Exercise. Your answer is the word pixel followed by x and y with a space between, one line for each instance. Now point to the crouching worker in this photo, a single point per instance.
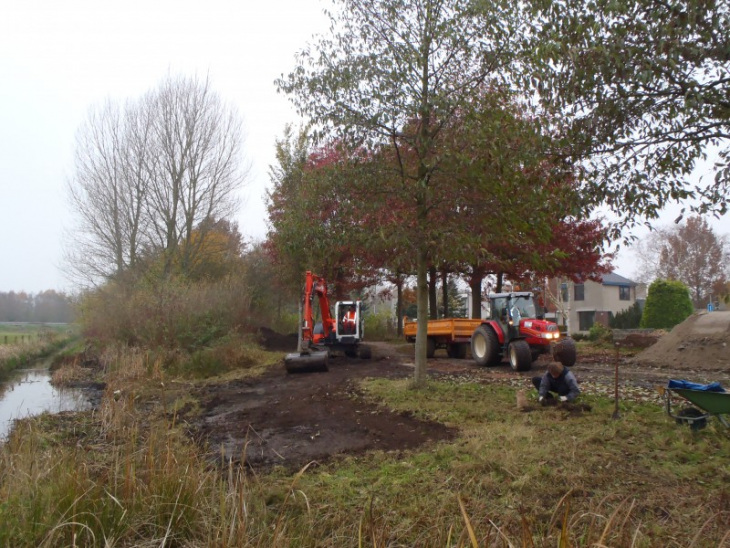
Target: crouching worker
pixel 556 379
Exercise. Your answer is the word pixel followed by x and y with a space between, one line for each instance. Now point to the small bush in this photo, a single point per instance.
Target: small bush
pixel 379 327
pixel 667 304
pixel 627 319
pixel 600 333
pixel 230 353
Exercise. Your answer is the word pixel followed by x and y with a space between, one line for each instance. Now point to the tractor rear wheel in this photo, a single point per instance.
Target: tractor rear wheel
pixel 485 346
pixel 565 352
pixel 520 357
pixel 456 351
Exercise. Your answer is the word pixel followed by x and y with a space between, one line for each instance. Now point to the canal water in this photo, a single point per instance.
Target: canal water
pixel 29 392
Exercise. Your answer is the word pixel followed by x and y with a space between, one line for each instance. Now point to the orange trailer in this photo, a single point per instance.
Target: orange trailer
pixel 453 334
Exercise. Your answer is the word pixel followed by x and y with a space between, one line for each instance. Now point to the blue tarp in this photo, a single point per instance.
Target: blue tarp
pixel 712 387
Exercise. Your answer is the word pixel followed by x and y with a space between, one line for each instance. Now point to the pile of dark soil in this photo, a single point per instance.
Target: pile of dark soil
pixel 641 340
pixel 293 419
pixel 271 340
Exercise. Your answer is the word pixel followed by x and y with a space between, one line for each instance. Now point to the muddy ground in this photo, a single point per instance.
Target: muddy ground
pixel 293 419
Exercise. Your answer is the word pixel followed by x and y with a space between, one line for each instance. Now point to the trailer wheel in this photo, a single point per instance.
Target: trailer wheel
pixel 456 351
pixel 485 346
pixel 565 352
pixel 430 347
pixel 520 357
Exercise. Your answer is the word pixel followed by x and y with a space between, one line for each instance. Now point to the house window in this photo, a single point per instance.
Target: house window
pixel 564 293
pixel 624 293
pixel 586 320
pixel 579 292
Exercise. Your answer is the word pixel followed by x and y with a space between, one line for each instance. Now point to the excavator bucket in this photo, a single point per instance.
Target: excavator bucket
pixel 306 362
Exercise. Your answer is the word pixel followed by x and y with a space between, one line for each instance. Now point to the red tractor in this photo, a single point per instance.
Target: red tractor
pixel 515 329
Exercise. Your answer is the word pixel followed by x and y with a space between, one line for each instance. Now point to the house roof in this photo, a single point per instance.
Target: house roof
pixel 617 279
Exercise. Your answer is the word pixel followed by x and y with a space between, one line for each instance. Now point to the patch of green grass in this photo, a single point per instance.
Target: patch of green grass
pixel 507 462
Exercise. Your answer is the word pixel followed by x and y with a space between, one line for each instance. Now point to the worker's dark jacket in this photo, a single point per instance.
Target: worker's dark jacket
pixel 564 385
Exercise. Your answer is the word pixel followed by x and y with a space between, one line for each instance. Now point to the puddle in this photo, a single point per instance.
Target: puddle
pixel 29 392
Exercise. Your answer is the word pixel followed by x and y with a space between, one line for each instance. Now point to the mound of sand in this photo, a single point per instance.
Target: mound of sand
pixel 702 341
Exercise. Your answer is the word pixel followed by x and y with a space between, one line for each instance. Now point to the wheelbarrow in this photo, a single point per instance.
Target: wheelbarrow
pixel 710 400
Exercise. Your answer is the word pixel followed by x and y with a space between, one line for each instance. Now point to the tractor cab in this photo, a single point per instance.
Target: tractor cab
pixel 508 309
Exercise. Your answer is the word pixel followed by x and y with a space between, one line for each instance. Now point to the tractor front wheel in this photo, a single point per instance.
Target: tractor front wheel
pixel 520 357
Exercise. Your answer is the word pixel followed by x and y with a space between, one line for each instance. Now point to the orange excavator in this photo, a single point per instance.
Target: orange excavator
pixel 342 331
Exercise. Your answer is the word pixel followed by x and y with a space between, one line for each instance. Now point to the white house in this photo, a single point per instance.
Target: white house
pixel 580 305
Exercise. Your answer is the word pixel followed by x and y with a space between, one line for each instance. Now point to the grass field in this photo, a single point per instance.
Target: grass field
pixel 128 474
pixel 14 333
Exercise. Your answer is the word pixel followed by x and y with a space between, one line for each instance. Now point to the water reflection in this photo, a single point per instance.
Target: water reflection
pixel 30 393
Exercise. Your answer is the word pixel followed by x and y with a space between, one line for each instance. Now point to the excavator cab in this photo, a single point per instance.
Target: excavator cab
pixel 350 326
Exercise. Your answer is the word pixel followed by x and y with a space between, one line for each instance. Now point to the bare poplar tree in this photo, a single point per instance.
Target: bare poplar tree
pixel 150 176
pixel 107 193
pixel 197 169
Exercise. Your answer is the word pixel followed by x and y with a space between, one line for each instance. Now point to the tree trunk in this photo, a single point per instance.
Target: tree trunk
pixel 419 376
pixel 445 291
pixel 399 305
pixel 432 302
pixel 475 283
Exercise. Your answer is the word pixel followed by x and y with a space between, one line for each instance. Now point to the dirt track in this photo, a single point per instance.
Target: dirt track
pixel 290 420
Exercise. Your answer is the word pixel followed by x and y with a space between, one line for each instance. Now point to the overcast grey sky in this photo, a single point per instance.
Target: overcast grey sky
pixel 58 59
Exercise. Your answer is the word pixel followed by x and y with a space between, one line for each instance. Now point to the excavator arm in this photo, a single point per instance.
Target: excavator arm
pixel 316 286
